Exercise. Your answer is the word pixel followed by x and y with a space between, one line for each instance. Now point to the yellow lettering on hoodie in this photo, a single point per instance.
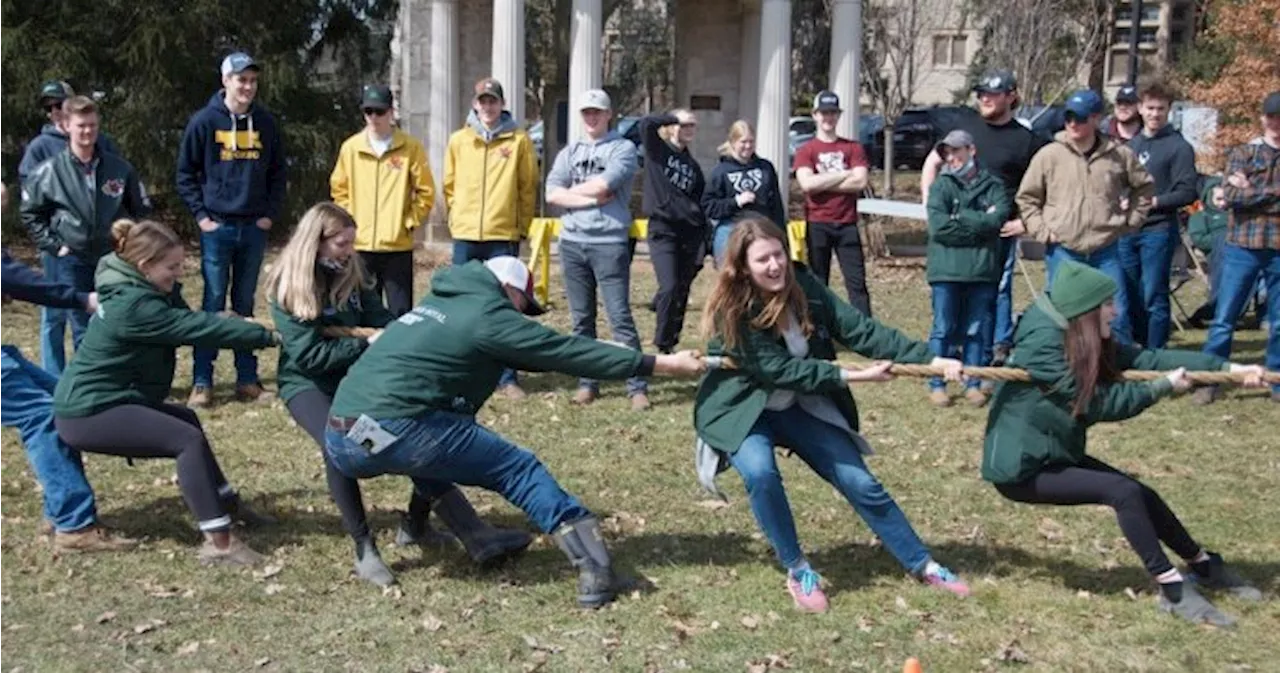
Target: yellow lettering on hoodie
pixel 238 145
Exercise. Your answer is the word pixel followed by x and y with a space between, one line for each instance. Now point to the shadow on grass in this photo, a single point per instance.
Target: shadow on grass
pixel 663 390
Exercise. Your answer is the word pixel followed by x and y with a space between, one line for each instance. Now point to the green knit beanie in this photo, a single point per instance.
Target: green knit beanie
pixel 1079 288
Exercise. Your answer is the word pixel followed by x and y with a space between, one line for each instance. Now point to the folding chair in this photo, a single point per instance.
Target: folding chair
pixel 1188 270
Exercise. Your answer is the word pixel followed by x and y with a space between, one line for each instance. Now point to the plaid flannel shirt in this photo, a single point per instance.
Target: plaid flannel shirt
pixel 1253 213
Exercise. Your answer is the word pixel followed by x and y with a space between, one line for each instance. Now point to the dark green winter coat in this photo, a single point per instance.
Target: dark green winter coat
pixel 448 353
pixel 1030 426
pixel 729 402
pixel 1206 224
pixel 309 360
pixel 128 353
pixel 59 208
pixel 964 228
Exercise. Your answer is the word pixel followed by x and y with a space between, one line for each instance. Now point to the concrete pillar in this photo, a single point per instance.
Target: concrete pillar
pixel 775 86
pixel 508 53
pixel 846 62
pixel 444 108
pixel 584 58
pixel 749 78
pixel 413 95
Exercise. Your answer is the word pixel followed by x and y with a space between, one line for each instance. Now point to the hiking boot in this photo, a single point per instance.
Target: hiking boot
pixel 252 392
pixel 975 397
pixel 1195 608
pixel 939 398
pixel 369 565
pixel 582 543
pixel 485 544
pixel 640 402
pixel 201 397
pixel 805 587
pixel 92 538
pixel 1205 395
pixel 584 396
pixel 418 531
pixel 239 510
pixel 236 553
pixel 513 391
pixel 939 576
pixel 1219 576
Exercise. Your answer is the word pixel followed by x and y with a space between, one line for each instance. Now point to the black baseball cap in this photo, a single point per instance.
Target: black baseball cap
pixel 1127 94
pixel 489 87
pixel 1271 104
pixel 826 101
pixel 55 91
pixel 375 97
pixel 996 81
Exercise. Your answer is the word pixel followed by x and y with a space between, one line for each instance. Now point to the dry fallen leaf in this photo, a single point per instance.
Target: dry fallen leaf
pixel 751 622
pixel 713 504
pixel 1012 653
pixel 149 625
pixel 262 662
pixel 432 623
pixel 190 647
pixel 273 589
pixel 105 617
pixel 268 572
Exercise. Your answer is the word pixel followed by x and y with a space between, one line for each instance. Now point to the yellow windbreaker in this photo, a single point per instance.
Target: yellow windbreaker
pixel 389 196
pixel 490 187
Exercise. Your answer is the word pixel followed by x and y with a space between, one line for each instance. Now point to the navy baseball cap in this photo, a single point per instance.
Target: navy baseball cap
pixel 996 81
pixel 1083 103
pixel 826 101
pixel 237 63
pixel 1271 104
pixel 1127 94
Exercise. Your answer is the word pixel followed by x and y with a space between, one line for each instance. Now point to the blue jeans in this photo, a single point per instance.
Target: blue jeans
pixel 831 453
pixel 720 241
pixel 465 251
pixel 1106 260
pixel 230 259
pixel 1003 331
pixel 26 403
pixel 1147 259
pixel 963 320
pixel 77 271
pixel 439 449
pixel 607 266
pixel 1237 278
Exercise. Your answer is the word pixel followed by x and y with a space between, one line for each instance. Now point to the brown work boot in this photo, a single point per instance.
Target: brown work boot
pixel 252 392
pixel 513 391
pixel 584 396
pixel 1204 396
pixel 975 397
pixel 639 402
pixel 92 538
pixel 201 397
pixel 236 553
pixel 939 398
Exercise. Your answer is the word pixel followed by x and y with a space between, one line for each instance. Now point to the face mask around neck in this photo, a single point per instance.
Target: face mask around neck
pixel 332 265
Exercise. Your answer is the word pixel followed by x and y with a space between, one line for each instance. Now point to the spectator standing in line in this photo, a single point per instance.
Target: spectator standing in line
pixel 53 136
pixel 1126 120
pixel 742 181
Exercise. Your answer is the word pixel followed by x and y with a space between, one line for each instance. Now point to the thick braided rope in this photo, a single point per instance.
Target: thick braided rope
pixel 1011 374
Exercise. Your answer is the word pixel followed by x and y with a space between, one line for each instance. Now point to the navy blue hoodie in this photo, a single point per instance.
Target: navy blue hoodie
pixel 1171 161
pixel 23 283
pixel 731 177
pixel 49 142
pixel 222 174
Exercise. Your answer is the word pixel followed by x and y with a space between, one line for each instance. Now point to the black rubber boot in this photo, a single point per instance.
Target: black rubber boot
pixel 369 564
pixel 582 543
pixel 485 544
pixel 415 526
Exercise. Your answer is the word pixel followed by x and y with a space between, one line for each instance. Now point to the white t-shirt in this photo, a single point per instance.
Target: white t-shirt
pixel 379 145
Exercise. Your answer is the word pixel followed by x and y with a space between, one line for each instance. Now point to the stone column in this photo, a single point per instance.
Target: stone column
pixel 444 109
pixel 584 58
pixel 749 78
pixel 508 53
pixel 846 62
pixel 775 87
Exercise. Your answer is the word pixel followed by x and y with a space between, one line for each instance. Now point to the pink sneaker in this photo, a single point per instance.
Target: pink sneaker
pixel 939 576
pixel 805 589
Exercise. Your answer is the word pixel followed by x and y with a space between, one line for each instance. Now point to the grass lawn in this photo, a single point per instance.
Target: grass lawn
pixel 1054 590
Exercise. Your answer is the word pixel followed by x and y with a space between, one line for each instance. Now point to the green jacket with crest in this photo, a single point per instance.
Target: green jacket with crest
pixel 129 351
pixel 729 402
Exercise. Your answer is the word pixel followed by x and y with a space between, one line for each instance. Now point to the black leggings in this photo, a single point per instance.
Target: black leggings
pixel 164 431
pixel 310 408
pixel 676 251
pixel 1144 518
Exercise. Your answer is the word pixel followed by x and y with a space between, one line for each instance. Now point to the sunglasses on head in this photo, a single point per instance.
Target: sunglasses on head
pixel 374 112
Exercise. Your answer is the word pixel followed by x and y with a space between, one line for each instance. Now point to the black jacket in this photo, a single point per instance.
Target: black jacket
pixel 59 208
pixel 731 177
pixel 1171 161
pixel 673 181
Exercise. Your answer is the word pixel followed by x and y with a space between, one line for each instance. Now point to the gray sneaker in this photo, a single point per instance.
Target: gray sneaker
pixel 1196 608
pixel 370 567
pixel 1222 577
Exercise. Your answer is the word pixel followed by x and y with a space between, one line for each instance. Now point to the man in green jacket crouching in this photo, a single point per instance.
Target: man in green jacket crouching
pixel 408 405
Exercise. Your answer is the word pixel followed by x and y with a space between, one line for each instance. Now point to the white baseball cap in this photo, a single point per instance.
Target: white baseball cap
pixel 511 271
pixel 594 99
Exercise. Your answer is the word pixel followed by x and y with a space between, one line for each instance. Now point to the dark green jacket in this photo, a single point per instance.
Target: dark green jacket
pixel 1030 426
pixel 1206 224
pixel 59 209
pixel 729 401
pixel 448 353
pixel 308 359
pixel 964 233
pixel 128 353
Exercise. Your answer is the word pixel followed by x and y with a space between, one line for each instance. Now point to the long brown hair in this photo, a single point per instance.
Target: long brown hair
pixel 1090 357
pixel 735 296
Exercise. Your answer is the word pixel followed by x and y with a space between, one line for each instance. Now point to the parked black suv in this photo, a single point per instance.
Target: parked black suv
pixel 917 130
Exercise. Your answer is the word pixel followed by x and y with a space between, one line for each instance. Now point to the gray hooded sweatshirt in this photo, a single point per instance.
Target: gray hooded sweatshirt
pixel 612 159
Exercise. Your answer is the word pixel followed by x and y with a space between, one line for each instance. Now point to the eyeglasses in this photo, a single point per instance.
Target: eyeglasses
pixel 374 112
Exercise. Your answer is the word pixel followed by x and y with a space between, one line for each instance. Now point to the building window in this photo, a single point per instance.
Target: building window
pixel 1150 12
pixel 950 51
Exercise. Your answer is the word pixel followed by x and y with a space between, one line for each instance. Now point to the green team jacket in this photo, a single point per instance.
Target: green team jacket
pixel 448 353
pixel 1030 426
pixel 128 353
pixel 311 361
pixel 1204 225
pixel 729 401
pixel 964 233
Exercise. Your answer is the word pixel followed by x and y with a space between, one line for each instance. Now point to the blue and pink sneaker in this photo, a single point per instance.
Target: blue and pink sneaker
pixel 940 576
pixel 804 585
